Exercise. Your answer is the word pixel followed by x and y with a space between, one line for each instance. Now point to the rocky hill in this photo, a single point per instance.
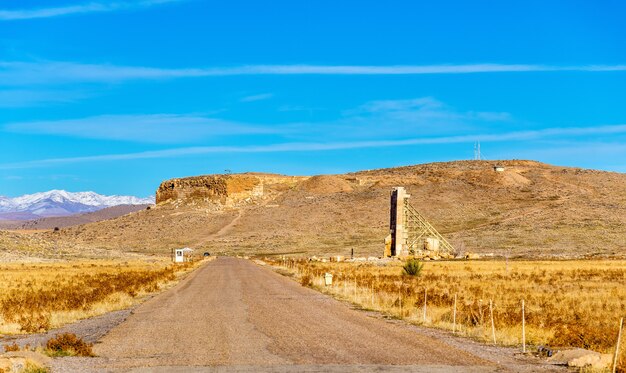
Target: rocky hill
pixel 531 209
pixel 72 220
pixel 224 190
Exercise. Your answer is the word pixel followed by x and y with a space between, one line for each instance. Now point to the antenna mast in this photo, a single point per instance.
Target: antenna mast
pixel 477 156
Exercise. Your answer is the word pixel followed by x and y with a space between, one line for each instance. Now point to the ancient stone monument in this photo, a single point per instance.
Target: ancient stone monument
pixel 410 233
pixel 224 190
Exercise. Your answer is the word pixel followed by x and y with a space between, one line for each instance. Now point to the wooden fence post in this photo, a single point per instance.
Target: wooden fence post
pixel 523 329
pixel 425 300
pixel 493 326
pixel 619 337
pixel 454 317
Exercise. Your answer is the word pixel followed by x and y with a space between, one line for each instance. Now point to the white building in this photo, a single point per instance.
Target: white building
pixel 182 255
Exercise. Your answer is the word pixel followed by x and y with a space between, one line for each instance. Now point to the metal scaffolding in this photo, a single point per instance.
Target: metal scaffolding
pixel 418 228
pixel 410 232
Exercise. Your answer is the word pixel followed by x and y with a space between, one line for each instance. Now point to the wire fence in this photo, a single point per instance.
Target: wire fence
pixel 524 322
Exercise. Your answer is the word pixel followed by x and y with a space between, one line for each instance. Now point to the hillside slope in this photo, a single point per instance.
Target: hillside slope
pixel 531 209
pixel 72 220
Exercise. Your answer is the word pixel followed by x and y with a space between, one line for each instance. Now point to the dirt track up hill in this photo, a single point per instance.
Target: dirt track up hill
pixel 530 209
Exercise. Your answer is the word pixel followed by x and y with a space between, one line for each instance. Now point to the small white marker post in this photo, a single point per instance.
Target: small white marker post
pixel 493 326
pixel 454 317
pixel 523 329
pixel 619 337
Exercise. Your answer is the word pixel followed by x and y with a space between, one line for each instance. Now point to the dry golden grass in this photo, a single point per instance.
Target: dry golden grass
pixel 567 303
pixel 37 297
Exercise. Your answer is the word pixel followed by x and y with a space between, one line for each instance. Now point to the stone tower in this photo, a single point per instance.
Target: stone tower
pixel 397 226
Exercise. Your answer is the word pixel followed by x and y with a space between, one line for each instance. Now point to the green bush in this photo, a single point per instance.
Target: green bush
pixel 413 267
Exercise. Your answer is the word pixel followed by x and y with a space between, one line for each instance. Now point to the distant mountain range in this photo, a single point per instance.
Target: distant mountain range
pixel 61 203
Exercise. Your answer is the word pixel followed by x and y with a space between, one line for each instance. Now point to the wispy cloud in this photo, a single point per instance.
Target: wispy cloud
pixel 16 98
pixel 46 72
pixel 319 146
pixel 91 7
pixel 424 107
pixel 155 128
pixel 426 116
pixel 259 97
pixel 376 119
pixel 287 108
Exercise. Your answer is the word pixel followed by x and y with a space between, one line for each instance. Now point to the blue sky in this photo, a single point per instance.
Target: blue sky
pixel 116 96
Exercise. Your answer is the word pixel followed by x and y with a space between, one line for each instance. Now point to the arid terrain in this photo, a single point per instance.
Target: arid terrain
pixel 248 318
pixel 529 222
pixel 566 303
pixel 529 210
pixel 40 296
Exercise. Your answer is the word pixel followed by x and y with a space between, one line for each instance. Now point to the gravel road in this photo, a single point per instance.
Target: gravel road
pixel 234 315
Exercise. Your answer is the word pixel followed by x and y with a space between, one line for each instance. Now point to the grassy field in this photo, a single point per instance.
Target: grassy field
pixel 567 303
pixel 39 296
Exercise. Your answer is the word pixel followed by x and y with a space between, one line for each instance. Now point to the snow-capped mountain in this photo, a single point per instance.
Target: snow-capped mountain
pixel 61 203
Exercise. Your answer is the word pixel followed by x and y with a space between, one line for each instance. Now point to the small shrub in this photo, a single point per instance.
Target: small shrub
pixel 34 322
pixel 68 344
pixel 10 348
pixel 413 267
pixel 593 338
pixel 306 280
pixel 34 368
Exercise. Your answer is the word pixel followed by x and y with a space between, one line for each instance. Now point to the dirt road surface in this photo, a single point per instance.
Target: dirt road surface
pixel 234 315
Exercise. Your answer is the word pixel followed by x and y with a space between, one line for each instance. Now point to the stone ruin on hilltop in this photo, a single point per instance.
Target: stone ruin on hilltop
pixel 226 190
